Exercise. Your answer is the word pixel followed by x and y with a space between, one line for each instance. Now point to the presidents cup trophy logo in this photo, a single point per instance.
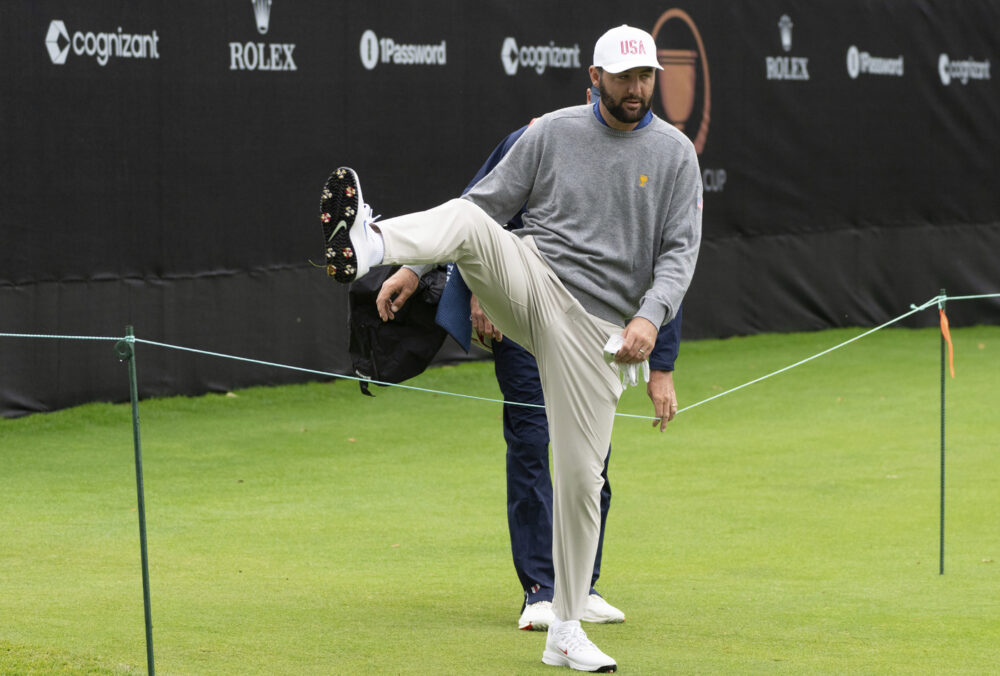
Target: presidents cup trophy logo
pixel 684 85
pixel 684 80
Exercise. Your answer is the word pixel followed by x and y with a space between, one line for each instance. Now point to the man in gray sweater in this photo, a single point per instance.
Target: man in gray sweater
pixel 608 248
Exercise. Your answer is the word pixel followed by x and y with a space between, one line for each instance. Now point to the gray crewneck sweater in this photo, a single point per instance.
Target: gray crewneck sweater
pixel 615 214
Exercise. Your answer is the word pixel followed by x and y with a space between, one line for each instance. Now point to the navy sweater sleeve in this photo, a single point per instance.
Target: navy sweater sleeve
pixel 495 157
pixel 668 345
pixel 492 161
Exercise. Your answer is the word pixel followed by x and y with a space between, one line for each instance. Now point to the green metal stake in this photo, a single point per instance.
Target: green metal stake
pixel 125 351
pixel 943 347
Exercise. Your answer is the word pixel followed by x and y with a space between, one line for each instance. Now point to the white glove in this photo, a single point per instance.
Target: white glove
pixel 627 372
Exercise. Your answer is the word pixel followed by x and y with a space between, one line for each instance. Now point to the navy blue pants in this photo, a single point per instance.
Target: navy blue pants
pixel 529 484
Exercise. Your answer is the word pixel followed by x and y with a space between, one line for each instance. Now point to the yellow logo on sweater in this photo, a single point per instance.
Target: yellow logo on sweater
pixel 642 180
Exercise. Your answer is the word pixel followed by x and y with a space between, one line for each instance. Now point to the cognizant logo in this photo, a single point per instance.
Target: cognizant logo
pixel 101 46
pixel 962 70
pixel 537 57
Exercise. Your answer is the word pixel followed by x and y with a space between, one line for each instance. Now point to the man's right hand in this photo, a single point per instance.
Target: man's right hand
pixel 395 292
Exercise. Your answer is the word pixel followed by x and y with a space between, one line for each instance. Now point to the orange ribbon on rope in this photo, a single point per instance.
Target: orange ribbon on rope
pixel 946 332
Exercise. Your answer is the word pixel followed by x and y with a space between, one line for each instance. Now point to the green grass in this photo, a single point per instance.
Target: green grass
pixel 788 528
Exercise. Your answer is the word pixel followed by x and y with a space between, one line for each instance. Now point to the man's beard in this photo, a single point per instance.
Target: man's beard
pixel 617 108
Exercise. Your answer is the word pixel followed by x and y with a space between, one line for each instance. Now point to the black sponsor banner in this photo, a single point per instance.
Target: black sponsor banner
pixel 162 163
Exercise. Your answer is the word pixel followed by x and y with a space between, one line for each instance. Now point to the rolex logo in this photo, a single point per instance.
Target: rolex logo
pixel 258 56
pixel 262 13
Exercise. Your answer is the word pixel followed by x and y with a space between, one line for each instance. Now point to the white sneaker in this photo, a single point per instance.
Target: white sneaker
pixel 567 645
pixel 537 616
pixel 600 611
pixel 350 244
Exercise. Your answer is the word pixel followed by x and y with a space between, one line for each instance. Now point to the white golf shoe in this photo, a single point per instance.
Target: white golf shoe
pixel 600 611
pixel 567 645
pixel 351 245
pixel 536 616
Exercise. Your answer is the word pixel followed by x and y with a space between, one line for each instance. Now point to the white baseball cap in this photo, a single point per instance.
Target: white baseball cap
pixel 625 47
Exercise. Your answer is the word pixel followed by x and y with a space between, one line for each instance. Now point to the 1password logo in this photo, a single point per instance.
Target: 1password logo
pixel 375 50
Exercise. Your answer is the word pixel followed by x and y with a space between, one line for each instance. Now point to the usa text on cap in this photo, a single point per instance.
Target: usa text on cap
pixel 625 47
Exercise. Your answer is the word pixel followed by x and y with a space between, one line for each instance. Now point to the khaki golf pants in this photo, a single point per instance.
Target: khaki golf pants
pixel 523 298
